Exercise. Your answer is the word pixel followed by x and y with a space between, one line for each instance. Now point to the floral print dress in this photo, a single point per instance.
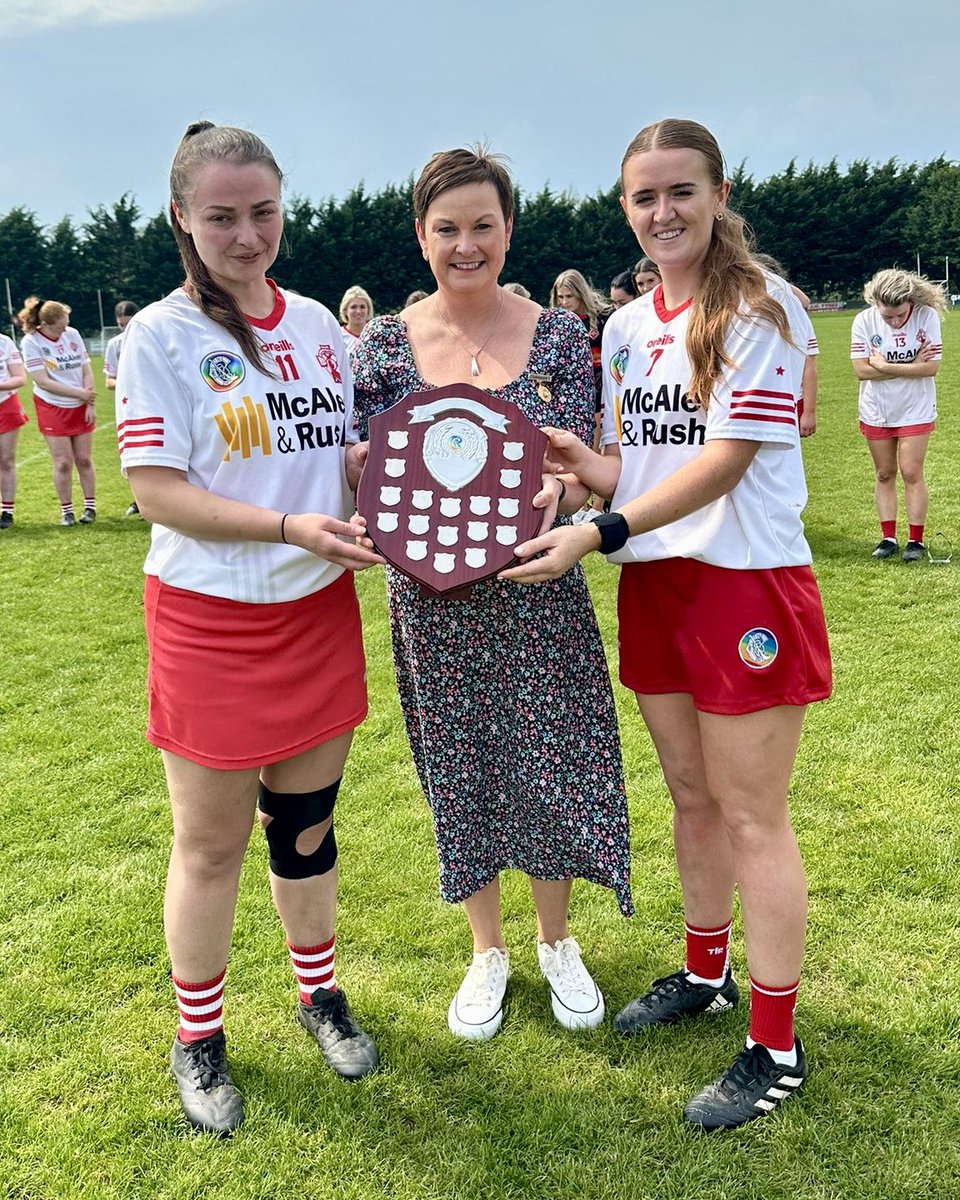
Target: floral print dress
pixel 506 695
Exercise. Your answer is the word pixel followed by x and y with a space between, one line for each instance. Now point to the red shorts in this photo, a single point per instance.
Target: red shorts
pixel 61 422
pixel 877 433
pixel 12 415
pixel 234 685
pixel 736 641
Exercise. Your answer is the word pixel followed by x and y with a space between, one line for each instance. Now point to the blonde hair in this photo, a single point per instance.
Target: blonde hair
pixel 518 290
pixel 37 312
pixel 894 287
pixel 592 302
pixel 731 281
pixel 355 293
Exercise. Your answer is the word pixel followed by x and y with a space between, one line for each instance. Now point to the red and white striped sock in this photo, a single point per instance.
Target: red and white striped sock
pixel 313 968
pixel 67 509
pixel 771 1016
pixel 90 502
pixel 6 506
pixel 708 953
pixel 201 1007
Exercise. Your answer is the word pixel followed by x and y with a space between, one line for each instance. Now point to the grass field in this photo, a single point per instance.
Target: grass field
pixel 86 1009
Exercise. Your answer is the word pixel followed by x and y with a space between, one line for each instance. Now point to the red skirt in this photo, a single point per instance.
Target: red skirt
pixel 879 433
pixel 62 422
pixel 233 686
pixel 12 415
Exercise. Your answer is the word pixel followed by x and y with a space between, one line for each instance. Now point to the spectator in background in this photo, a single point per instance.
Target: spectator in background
pixel 356 309
pixel 64 397
pixel 12 416
pixel 111 361
pixel 518 290
pixel 415 297
pixel 623 289
pixel 572 291
pixel 646 275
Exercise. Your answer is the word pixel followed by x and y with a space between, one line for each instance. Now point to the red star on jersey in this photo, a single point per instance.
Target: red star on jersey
pixel 123 400
pixel 779 370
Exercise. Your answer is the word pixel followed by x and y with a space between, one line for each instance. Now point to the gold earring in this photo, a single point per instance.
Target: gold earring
pixel 719 216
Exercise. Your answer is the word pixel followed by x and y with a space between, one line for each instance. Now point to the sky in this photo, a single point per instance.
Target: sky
pixel 100 91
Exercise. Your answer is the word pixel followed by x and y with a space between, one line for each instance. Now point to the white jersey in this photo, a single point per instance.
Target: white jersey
pixel 647 413
pixel 111 356
pixel 188 398
pixel 350 341
pixel 897 401
pixel 63 360
pixel 10 361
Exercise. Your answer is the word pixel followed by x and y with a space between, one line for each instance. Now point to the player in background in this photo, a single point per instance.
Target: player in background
pixel 646 275
pixel 722 636
pixel 111 360
pixel 249 591
pixel 12 416
pixel 64 398
pixel 623 289
pixel 896 349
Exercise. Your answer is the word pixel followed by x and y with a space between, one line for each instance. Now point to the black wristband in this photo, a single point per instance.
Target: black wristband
pixel 614 531
pixel 283 535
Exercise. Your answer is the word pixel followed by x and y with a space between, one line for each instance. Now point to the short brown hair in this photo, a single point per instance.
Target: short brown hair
pixel 456 168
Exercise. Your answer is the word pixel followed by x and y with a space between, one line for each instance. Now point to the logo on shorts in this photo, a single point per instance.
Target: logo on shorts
pixel 618 364
pixel 222 370
pixel 758 648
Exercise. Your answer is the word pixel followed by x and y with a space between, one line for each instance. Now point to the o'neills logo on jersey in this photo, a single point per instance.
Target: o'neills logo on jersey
pixel 244 428
pixel 273 347
pixel 328 360
pixel 222 370
pixel 618 364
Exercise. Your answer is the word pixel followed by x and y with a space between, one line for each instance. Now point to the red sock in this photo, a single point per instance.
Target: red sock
pixel 201 1007
pixel 90 502
pixel 916 533
pixel 708 950
pixel 771 1015
pixel 889 529
pixel 313 967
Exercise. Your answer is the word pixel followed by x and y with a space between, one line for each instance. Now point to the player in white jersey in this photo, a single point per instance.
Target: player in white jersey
pixel 233 407
pixel 12 416
pixel 896 348
pixel 356 309
pixel 722 634
pixel 64 398
pixel 111 360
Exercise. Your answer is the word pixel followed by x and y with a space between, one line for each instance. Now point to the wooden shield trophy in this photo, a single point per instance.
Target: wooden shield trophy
pixel 448 485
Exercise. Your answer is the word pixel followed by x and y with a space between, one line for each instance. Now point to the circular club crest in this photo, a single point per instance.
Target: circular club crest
pixel 758 648
pixel 222 370
pixel 448 485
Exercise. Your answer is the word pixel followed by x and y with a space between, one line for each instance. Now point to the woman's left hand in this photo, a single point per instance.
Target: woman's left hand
pixel 354 458
pixel 548 498
pixel 560 548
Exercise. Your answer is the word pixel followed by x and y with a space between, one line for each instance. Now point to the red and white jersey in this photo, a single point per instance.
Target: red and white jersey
pixel 63 360
pixel 111 356
pixel 189 399
pixel 647 413
pixel 10 361
pixel 897 401
pixel 350 340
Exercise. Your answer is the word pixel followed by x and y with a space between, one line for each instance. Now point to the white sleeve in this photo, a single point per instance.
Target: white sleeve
pixel 860 337
pixel 110 357
pixel 32 353
pixel 154 409
pixel 608 400
pixel 756 399
pixel 930 325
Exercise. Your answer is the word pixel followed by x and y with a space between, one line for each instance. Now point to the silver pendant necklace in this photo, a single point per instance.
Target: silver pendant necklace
pixel 474 364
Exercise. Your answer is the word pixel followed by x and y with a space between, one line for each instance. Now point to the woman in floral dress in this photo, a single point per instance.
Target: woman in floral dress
pixel 505 695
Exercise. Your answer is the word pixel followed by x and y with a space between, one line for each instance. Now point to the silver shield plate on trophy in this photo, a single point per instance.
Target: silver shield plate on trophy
pixel 454 451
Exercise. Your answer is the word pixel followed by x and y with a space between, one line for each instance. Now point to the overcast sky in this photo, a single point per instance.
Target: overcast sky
pixel 99 91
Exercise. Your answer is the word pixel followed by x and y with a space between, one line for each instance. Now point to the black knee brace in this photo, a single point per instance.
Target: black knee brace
pixel 291 813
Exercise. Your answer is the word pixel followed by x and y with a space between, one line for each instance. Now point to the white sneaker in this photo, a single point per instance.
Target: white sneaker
pixel 576 999
pixel 477 1009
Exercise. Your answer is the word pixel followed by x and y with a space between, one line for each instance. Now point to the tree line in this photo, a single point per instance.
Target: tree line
pixel 831 229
